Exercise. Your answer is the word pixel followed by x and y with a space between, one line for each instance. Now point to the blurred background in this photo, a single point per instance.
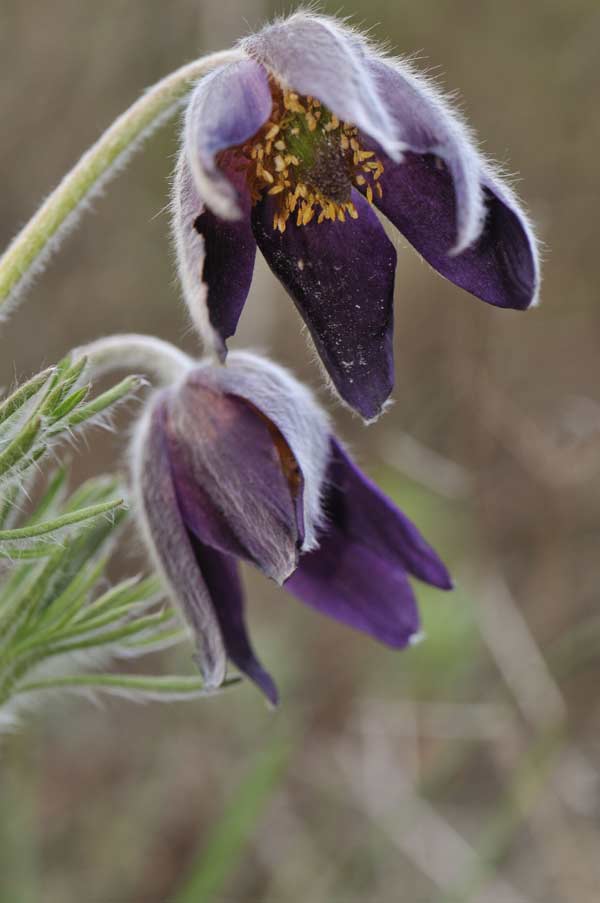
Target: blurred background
pixel 467 769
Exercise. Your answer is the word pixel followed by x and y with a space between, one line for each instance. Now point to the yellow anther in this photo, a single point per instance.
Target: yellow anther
pixel 271 169
pixel 312 122
pixel 379 189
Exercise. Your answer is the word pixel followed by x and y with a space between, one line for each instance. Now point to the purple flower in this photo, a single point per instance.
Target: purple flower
pixel 239 463
pixel 289 148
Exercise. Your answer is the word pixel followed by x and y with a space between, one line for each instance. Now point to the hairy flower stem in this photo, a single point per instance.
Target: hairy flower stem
pixel 40 237
pixel 158 358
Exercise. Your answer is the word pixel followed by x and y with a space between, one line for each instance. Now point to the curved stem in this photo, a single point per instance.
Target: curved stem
pixel 31 248
pixel 133 351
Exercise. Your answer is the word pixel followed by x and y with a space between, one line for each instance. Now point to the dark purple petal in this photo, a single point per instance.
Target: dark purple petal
pixel 427 124
pixel 226 109
pixel 171 544
pixel 302 423
pixel 464 220
pixel 341 278
pixel 220 573
pixel 419 199
pixel 352 584
pixel 365 513
pixel 237 482
pixel 215 257
pixel 358 575
pixel 317 56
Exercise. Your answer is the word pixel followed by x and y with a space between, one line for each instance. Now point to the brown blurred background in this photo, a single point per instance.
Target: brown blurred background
pixel 467 768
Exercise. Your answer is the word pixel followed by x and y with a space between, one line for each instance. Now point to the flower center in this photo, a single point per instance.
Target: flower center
pixel 310 161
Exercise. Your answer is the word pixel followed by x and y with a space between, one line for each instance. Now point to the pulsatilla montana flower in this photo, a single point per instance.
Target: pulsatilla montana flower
pixel 290 149
pixel 238 463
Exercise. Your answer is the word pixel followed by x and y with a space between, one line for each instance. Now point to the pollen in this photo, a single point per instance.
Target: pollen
pixel 309 161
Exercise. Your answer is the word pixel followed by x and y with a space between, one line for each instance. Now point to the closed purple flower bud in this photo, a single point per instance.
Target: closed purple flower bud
pixel 290 150
pixel 238 463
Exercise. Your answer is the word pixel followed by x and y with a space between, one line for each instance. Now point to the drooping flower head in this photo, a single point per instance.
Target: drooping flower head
pixel 239 463
pixel 290 150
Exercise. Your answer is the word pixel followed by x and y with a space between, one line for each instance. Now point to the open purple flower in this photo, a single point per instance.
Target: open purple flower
pixel 290 149
pixel 239 463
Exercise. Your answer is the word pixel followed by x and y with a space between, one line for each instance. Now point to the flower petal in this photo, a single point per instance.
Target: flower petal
pixel 220 573
pixel 317 56
pixel 292 408
pixel 215 258
pixel 446 200
pixel 428 125
pixel 341 278
pixel 364 512
pixel 349 582
pixel 237 482
pixel 358 575
pixel 500 268
pixel 226 109
pixel 169 541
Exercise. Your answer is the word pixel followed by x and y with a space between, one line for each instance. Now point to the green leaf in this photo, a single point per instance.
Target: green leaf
pixel 110 637
pixel 54 492
pixel 67 379
pixel 128 592
pixel 105 400
pixel 145 686
pixel 23 393
pixel 20 445
pixel 69 402
pixel 58 523
pixel 39 550
pixel 65 606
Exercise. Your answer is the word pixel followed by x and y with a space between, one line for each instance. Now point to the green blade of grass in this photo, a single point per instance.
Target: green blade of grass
pixel 226 845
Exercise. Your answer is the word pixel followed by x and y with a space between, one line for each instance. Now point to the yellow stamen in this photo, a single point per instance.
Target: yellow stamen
pixel 289 159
